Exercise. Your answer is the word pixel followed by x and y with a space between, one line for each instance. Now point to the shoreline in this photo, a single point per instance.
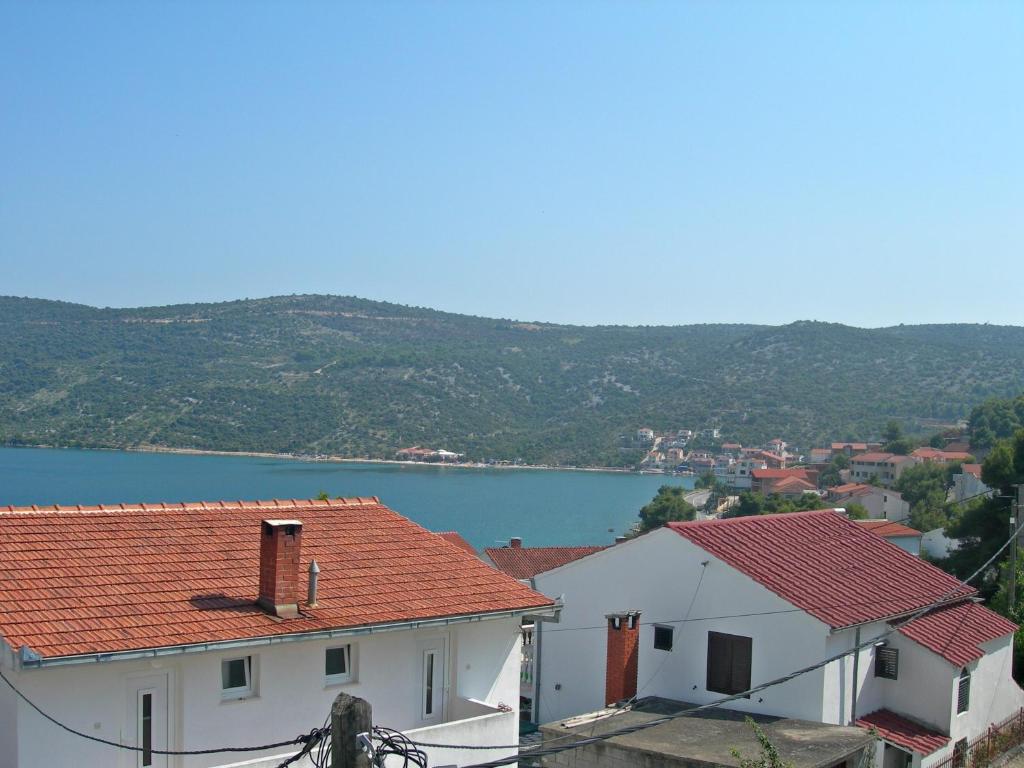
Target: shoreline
pixel 342 459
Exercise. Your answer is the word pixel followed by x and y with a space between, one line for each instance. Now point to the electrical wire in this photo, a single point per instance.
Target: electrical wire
pixel 303 739
pixel 395 743
pixel 763 686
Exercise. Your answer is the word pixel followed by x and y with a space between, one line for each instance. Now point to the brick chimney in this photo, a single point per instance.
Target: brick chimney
pixel 280 545
pixel 516 542
pixel 623 656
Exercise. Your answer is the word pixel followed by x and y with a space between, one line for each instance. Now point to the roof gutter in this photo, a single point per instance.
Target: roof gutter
pixel 30 660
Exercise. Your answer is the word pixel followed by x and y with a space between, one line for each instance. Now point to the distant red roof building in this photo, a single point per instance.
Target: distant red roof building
pixel 453 537
pixel 972 469
pixel 763 480
pixel 795 555
pixel 937 455
pixel 521 562
pixel 888 530
pixel 109 578
pixel 903 732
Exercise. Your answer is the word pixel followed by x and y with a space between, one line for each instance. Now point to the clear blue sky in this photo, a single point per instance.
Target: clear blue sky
pixel 600 162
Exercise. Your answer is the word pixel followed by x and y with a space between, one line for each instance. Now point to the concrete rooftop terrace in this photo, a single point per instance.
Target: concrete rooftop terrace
pixel 706 738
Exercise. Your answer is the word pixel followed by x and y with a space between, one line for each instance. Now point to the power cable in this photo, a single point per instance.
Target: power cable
pixel 763 686
pixel 304 739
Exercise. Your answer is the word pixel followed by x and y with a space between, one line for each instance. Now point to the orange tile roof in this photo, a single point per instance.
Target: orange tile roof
pixel 84 580
pixel 972 469
pixel 526 562
pixel 823 563
pixel 887 529
pixel 454 537
pixel 956 632
pixel 776 474
pixel 903 732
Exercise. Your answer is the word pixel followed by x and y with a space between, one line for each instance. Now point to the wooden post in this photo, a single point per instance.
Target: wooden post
pixel 349 717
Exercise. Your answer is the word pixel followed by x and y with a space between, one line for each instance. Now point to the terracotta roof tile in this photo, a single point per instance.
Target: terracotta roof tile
pixel 117 577
pixel 453 537
pixel 956 632
pixel 887 529
pixel 903 732
pixel 823 563
pixel 527 562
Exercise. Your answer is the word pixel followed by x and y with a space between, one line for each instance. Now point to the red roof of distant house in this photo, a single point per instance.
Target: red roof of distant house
pixel 972 469
pixel 777 474
pixel 903 732
pixel 854 489
pixel 955 632
pixel 731 446
pixel 453 537
pixel 823 563
pixel 886 529
pixel 527 562
pixel 85 580
pixel 851 446
pixel 935 454
pixel 791 485
pixel 878 456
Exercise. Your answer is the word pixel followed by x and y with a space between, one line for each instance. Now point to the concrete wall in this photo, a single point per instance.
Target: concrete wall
pixel 291 695
pixel 661 574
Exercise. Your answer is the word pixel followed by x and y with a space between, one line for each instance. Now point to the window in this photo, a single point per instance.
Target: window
pixel 429 683
pixel 963 693
pixel 236 678
pixel 146 728
pixel 960 753
pixel 662 638
pixel 887 662
pixel 729 662
pixel 338 665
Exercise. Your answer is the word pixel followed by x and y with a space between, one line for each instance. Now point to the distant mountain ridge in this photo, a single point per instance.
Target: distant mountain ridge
pixel 348 376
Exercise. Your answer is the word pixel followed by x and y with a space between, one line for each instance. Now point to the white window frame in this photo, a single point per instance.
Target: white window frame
pixel 350 660
pixel 238 692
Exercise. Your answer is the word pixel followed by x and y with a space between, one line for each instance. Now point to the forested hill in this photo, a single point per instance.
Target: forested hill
pixel 339 375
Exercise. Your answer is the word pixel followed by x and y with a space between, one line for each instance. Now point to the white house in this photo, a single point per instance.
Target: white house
pixel 967 483
pixel 881 503
pixel 694 611
pixel 903 536
pixel 192 626
pixel 883 468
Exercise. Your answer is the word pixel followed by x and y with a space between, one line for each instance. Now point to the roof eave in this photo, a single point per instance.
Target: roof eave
pixel 35 661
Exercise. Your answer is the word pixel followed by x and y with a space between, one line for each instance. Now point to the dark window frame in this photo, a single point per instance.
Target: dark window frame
pixel 729 663
pixel 887 662
pixel 661 629
pixel 963 691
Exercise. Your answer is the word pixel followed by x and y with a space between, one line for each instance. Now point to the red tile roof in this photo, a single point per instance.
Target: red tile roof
pixel 791 485
pixel 773 474
pixel 904 733
pixel 527 562
pixel 972 469
pixel 876 457
pixel 454 537
pixel 887 529
pixel 935 454
pixel 955 632
pixel 116 578
pixel 851 446
pixel 823 563
pixel 854 489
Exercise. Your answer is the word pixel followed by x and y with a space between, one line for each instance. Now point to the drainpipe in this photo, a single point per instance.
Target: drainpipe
pixel 856 666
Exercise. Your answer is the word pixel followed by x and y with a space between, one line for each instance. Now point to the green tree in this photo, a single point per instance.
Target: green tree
pixel 668 505
pixel 856 511
pixel 925 487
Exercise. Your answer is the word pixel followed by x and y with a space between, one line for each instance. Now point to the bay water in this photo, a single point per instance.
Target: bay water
pixel 486 505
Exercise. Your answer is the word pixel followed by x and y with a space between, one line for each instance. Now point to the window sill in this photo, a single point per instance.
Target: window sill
pixel 232 698
pixel 329 683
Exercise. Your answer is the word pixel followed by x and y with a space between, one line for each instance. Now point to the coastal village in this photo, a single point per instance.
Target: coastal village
pixel 828 628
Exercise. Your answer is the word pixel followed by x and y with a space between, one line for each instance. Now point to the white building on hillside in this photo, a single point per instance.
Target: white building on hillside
pixel 696 611
pixel 881 503
pixel 190 627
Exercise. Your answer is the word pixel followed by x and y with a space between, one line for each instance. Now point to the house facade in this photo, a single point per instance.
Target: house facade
pixel 881 503
pixel 191 627
pixel 721 606
pixel 882 468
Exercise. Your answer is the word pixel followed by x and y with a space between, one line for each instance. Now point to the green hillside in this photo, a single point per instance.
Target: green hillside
pixel 340 375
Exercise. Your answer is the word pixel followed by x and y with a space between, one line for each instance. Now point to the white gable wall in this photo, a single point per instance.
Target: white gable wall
pixel 291 695
pixel 658 574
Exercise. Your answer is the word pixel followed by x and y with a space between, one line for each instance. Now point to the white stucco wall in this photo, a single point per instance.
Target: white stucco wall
pixel 658 574
pixel 291 695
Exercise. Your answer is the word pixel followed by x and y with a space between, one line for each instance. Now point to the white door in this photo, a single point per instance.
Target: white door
pixel 148 719
pixel 433 688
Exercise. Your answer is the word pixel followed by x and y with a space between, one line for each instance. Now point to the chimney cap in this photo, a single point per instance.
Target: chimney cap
pixel 515 542
pixel 313 567
pixel 279 523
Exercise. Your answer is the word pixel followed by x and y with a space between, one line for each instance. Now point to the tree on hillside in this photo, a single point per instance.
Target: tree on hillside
pixel 668 505
pixel 926 487
pixel 830 475
pixel 895 441
pixel 757 504
pixel 994 420
pixel 984 525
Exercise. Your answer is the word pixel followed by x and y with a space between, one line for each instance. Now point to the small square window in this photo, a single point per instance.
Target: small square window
pixel 338 664
pixel 236 677
pixel 662 638
pixel 887 663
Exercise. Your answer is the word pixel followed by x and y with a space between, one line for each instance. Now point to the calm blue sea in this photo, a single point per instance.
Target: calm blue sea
pixel 487 506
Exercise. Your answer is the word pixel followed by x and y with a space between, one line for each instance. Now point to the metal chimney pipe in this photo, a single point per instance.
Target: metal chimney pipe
pixel 314 572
